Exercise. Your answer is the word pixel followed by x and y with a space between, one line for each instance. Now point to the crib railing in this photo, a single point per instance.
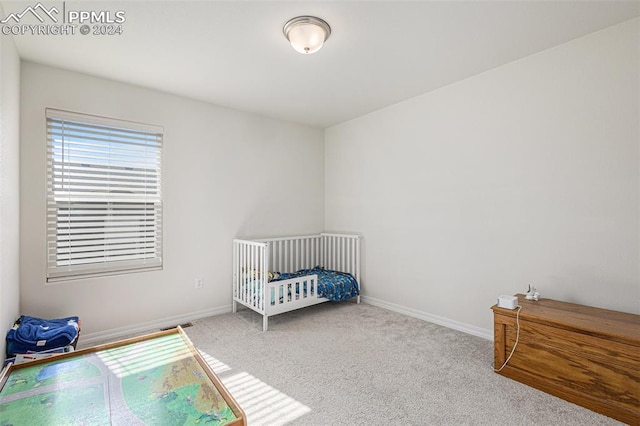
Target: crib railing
pixel 290 254
pixel 341 252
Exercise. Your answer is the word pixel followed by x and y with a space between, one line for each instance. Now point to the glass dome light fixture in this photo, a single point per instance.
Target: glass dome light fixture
pixel 306 34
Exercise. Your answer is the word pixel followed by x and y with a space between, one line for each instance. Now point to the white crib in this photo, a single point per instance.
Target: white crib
pixel 253 260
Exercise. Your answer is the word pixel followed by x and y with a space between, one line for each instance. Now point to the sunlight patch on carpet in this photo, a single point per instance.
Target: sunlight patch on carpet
pixel 217 366
pixel 263 404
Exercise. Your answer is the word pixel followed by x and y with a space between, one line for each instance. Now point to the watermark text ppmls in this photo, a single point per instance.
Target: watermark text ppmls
pixel 55 19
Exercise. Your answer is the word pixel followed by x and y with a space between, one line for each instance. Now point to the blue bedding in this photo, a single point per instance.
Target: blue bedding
pixel 36 334
pixel 333 285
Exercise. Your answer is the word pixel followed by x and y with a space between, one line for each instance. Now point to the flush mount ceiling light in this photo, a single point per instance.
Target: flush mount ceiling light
pixel 306 34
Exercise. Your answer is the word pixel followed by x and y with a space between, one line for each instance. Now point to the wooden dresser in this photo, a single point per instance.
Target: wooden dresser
pixel 585 355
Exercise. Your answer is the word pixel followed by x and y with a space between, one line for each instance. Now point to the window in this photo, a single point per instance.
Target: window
pixel 104 198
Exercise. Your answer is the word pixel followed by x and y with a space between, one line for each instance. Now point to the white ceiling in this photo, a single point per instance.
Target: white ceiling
pixel 233 53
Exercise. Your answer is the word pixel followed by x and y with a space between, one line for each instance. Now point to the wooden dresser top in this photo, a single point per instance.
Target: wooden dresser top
pixel 619 326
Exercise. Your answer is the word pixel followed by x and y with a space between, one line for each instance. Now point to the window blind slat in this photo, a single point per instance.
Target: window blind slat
pixel 104 195
pixel 92 149
pixel 91 170
pixel 85 134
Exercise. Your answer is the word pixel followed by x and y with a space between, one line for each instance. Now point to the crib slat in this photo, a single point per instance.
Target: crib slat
pixel 265 276
pixel 246 271
pixel 334 248
pixel 252 271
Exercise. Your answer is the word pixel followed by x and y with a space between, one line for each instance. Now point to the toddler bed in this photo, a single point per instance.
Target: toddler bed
pixel 277 275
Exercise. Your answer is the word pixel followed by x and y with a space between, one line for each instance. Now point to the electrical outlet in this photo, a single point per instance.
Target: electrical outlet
pixel 199 282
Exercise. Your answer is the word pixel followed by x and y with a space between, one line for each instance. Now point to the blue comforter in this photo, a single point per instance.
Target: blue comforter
pixel 333 285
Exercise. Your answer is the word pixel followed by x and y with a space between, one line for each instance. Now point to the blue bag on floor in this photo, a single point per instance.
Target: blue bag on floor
pixel 30 334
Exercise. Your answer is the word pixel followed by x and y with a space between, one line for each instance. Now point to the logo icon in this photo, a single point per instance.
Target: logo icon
pixel 34 11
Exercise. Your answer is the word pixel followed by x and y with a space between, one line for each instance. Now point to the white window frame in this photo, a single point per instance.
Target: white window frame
pixel 104 196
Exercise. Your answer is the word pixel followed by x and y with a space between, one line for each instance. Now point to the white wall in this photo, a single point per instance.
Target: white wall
pixel 225 174
pixel 9 186
pixel 525 174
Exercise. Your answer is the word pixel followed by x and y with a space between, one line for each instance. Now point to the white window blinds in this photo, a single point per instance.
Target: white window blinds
pixel 104 198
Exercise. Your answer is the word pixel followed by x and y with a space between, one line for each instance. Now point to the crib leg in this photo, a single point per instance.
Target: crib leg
pixel 265 323
pixel 234 309
pixel 358 300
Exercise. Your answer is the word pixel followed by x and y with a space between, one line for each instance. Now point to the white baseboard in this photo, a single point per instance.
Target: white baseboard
pixel 456 325
pixel 118 333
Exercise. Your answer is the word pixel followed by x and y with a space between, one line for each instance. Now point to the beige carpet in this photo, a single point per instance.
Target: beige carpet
pixel 348 364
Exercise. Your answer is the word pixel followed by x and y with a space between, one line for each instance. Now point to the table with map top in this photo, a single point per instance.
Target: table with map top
pixel 158 379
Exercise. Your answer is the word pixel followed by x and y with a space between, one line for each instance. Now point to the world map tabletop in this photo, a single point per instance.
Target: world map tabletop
pixel 159 379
